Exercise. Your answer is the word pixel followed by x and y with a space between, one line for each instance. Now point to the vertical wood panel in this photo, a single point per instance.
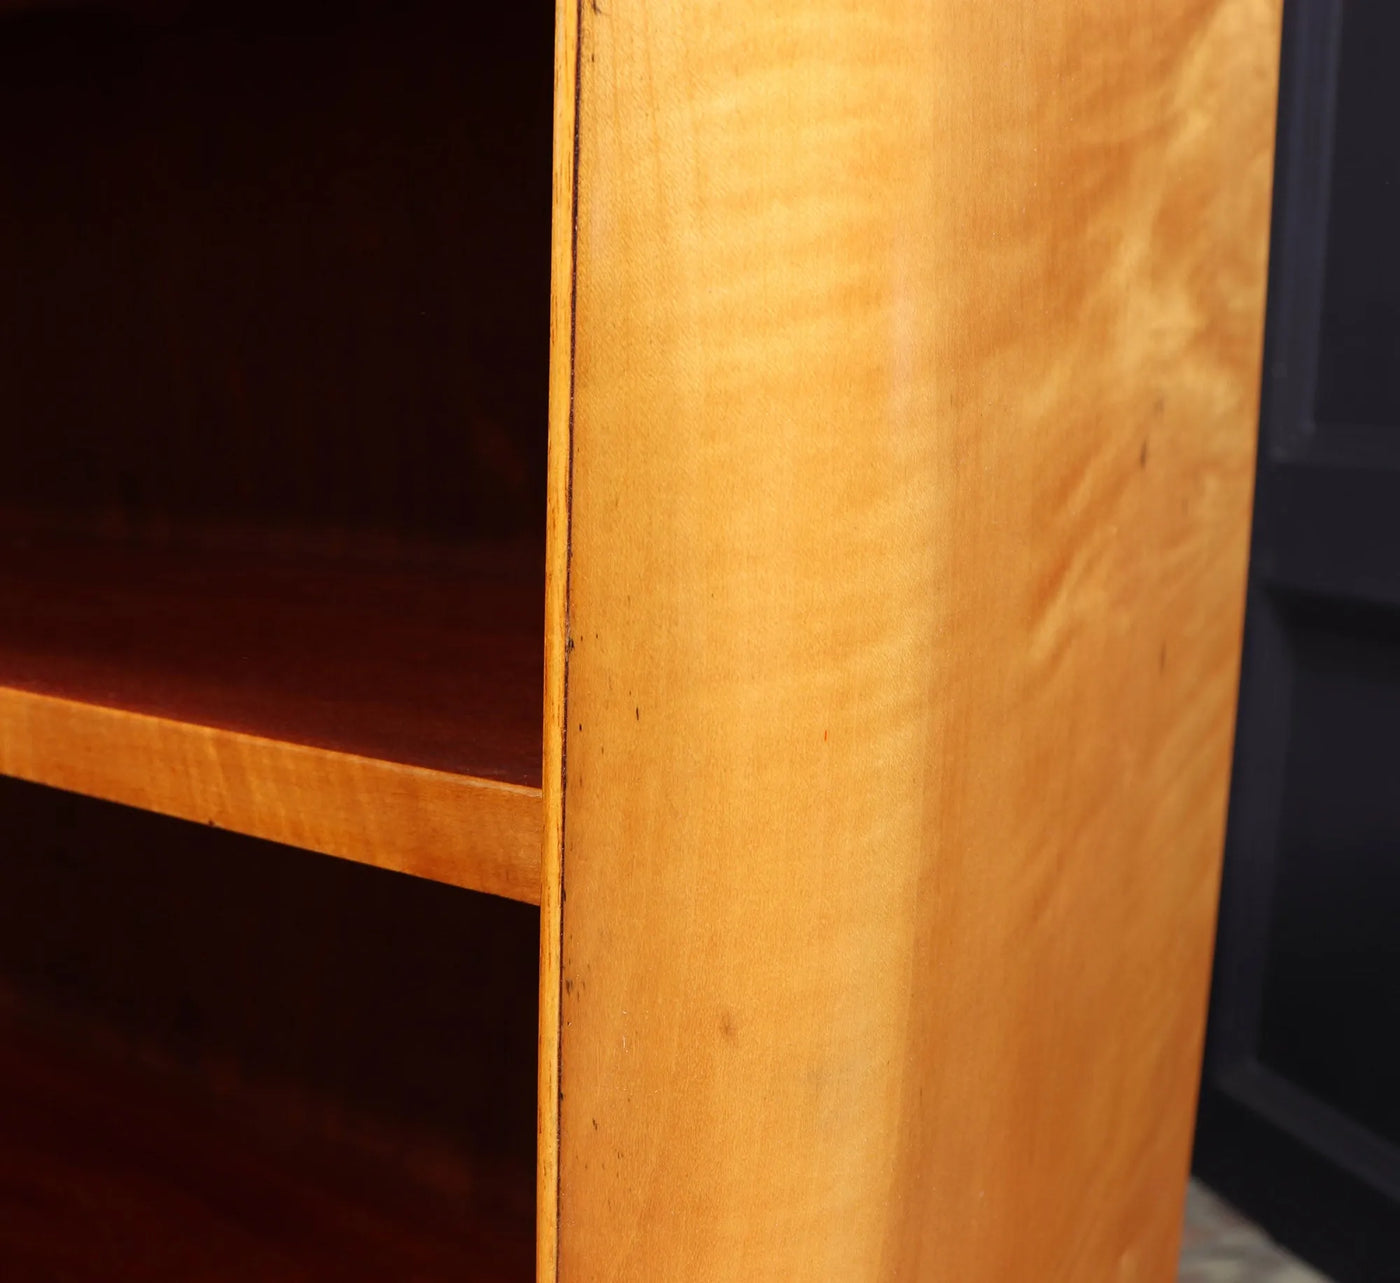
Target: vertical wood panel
pixel 557 536
pixel 914 368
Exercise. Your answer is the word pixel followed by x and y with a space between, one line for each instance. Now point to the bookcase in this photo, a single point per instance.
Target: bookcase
pixel 618 631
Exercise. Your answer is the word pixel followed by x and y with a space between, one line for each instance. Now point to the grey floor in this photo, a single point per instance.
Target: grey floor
pixel 1220 1246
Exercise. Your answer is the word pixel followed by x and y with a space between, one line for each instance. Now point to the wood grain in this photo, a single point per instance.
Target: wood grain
pixel 383 714
pixel 908 454
pixel 473 833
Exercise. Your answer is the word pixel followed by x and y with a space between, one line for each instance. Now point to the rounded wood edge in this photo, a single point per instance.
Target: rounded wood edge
pixel 900 663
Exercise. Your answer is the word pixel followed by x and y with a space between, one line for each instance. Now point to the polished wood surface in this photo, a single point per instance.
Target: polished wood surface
pixel 388 714
pixel 913 363
pixel 108 1173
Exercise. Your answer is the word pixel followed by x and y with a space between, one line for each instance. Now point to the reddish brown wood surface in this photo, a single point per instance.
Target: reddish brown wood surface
pixel 390 716
pixel 437 666
pixel 108 1174
pixel 275 277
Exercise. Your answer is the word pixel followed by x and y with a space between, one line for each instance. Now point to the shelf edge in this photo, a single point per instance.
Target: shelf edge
pixel 480 834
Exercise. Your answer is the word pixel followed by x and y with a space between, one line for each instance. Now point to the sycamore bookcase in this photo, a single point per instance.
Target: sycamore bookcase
pixel 873 519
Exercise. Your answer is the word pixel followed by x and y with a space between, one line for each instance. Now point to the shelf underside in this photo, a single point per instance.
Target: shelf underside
pixel 106 1173
pixel 388 713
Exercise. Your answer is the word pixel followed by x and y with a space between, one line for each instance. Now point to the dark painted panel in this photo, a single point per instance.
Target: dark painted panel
pixel 1300 1100
pixel 1331 1005
pixel 1330 529
pixel 1359 366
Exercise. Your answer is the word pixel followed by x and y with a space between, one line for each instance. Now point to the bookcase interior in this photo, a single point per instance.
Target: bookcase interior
pixel 224 1059
pixel 274 311
pixel 274 294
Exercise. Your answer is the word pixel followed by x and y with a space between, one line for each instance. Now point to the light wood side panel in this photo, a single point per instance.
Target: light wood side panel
pixel 474 833
pixel 915 371
pixel 556 645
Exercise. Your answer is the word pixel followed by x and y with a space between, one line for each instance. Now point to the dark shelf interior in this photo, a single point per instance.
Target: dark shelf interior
pixel 276 267
pixel 224 1059
pixel 274 314
pixel 274 344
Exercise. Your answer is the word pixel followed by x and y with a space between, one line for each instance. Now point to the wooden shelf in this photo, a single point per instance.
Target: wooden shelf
pixel 384 713
pixel 108 1172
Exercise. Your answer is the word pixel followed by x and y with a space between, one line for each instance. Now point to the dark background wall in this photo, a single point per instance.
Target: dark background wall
pixel 1300 1106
